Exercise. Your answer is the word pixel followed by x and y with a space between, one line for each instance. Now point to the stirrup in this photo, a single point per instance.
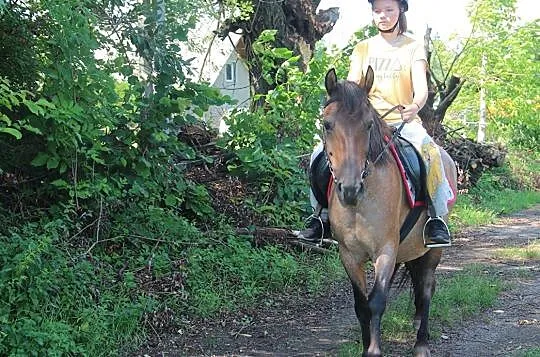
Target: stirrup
pixel 322 242
pixel 319 219
pixel 436 245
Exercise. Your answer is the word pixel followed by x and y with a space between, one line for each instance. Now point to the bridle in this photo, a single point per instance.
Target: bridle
pixel 365 171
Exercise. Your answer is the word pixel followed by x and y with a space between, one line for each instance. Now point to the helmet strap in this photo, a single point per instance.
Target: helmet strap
pixel 389 30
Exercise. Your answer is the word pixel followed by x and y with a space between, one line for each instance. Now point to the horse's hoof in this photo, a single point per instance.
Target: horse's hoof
pixel 416 325
pixel 421 351
pixel 371 354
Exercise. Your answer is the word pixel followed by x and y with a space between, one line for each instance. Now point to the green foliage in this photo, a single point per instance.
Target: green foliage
pixel 451 305
pixel 499 191
pixel 17 45
pixel 528 252
pixel 236 10
pixel 13 100
pixel 93 143
pixel 270 141
pixel 53 304
pixel 90 135
pixel 87 294
pixel 232 275
pixel 532 352
pixel 244 275
pixel 509 77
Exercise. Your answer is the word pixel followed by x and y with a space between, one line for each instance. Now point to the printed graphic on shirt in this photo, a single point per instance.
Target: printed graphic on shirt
pixel 385 67
pixel 385 64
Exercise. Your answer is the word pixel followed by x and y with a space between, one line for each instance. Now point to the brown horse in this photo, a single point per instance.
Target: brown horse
pixel 367 206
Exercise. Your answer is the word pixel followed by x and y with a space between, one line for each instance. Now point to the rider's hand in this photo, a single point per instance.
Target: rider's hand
pixel 409 111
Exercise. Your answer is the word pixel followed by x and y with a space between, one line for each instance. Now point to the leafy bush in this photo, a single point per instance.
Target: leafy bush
pixel 271 141
pixel 55 304
pixel 92 127
pixel 86 293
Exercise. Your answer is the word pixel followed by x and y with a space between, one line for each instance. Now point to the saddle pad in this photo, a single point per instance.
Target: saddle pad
pixel 410 189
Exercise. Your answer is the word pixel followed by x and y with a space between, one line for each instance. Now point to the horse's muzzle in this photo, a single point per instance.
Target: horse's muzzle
pixel 349 194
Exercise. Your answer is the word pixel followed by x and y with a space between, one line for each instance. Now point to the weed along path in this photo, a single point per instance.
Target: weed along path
pixel 502 259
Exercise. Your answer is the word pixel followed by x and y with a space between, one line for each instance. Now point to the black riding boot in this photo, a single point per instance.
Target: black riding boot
pixel 316 230
pixel 436 233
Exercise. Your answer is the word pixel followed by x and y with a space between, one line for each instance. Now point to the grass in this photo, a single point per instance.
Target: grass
pixel 502 190
pixel 456 299
pixel 531 251
pixel 235 275
pixel 480 208
pixel 533 352
pixel 465 294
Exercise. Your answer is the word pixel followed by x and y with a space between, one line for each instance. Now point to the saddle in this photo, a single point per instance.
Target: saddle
pixel 411 168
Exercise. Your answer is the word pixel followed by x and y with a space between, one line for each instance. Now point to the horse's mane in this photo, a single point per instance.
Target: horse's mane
pixel 354 103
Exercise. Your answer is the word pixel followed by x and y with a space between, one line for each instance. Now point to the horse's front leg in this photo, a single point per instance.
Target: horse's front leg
pixel 384 269
pixel 422 272
pixel 356 272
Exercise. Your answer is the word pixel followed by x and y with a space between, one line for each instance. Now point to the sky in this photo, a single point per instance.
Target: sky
pixel 446 18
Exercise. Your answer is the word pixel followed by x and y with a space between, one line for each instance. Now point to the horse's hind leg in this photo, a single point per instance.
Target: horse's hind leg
pixel 423 278
pixel 357 275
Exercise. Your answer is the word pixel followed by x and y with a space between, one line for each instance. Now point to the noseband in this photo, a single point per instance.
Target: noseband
pixel 365 171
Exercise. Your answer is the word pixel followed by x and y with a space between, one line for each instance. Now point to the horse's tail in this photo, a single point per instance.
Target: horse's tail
pixel 401 278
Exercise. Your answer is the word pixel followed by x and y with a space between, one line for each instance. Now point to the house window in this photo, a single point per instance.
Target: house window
pixel 230 72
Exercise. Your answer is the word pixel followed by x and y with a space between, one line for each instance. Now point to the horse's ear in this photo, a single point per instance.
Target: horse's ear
pixel 330 81
pixel 367 80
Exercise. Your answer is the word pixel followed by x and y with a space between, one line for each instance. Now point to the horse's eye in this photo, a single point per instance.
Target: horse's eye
pixel 369 124
pixel 327 125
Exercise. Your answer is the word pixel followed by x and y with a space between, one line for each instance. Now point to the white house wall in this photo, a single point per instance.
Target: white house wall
pixel 238 89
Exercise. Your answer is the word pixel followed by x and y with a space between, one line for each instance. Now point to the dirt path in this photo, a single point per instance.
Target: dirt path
pixel 318 325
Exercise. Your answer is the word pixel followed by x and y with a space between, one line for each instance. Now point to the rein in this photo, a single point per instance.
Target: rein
pixel 394 136
pixel 365 171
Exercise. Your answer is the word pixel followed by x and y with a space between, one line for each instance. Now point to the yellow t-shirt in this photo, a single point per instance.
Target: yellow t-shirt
pixel 391 64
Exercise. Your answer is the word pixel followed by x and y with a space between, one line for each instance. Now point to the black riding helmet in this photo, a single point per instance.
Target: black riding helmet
pixel 404 4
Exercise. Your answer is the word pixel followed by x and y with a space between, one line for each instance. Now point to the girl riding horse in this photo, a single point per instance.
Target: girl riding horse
pixel 399 65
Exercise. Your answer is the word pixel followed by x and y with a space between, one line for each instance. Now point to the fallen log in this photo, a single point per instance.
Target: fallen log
pixel 273 235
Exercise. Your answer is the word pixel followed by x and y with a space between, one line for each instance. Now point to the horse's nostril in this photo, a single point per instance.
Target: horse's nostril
pixel 340 187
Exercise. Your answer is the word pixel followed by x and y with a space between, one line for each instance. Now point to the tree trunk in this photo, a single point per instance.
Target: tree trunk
pixel 482 117
pixel 443 91
pixel 298 27
pixel 472 158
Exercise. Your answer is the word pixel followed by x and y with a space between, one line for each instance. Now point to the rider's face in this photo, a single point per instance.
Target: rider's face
pixel 385 13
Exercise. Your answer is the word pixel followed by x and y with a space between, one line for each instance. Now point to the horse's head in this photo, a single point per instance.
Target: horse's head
pixel 353 134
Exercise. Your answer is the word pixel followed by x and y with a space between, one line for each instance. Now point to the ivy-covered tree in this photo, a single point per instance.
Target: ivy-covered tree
pixel 299 26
